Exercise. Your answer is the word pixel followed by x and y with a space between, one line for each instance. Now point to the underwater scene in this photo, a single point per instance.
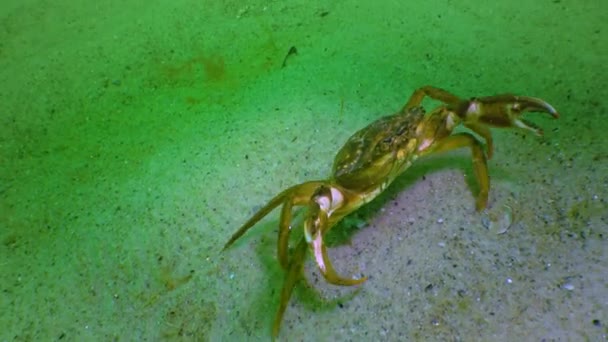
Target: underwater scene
pixel 198 170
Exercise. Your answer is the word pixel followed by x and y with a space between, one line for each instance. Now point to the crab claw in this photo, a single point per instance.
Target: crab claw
pixel 315 227
pixel 480 114
pixel 505 111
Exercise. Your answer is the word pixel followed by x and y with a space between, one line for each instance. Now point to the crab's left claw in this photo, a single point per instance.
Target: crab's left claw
pixel 479 114
pixel 533 104
pixel 315 227
pixel 505 111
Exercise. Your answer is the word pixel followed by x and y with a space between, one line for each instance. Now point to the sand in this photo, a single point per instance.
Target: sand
pixel 136 137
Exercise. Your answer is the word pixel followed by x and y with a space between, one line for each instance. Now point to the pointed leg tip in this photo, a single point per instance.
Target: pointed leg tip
pixel 481 204
pixel 362 280
pixel 357 281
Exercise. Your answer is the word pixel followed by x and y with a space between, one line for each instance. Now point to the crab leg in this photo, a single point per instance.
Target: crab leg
pixel 480 166
pixel 294 271
pixel 296 195
pixel 485 133
pixel 273 203
pixel 433 92
pixel 315 226
pixel 299 195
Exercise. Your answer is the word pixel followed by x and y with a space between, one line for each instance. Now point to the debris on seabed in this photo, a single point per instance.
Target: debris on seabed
pixel 568 286
pixel 500 221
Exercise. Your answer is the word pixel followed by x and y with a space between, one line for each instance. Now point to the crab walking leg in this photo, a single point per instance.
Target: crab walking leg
pixel 485 133
pixel 480 165
pixel 273 203
pixel 434 93
pixel 294 271
pixel 296 195
pixel 299 195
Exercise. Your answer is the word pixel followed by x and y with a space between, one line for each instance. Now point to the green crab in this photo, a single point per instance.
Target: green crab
pixel 373 157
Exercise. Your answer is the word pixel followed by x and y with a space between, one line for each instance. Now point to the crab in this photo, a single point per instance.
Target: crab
pixel 373 157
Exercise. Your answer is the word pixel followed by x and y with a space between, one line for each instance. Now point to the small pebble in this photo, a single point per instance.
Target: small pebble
pixel 568 286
